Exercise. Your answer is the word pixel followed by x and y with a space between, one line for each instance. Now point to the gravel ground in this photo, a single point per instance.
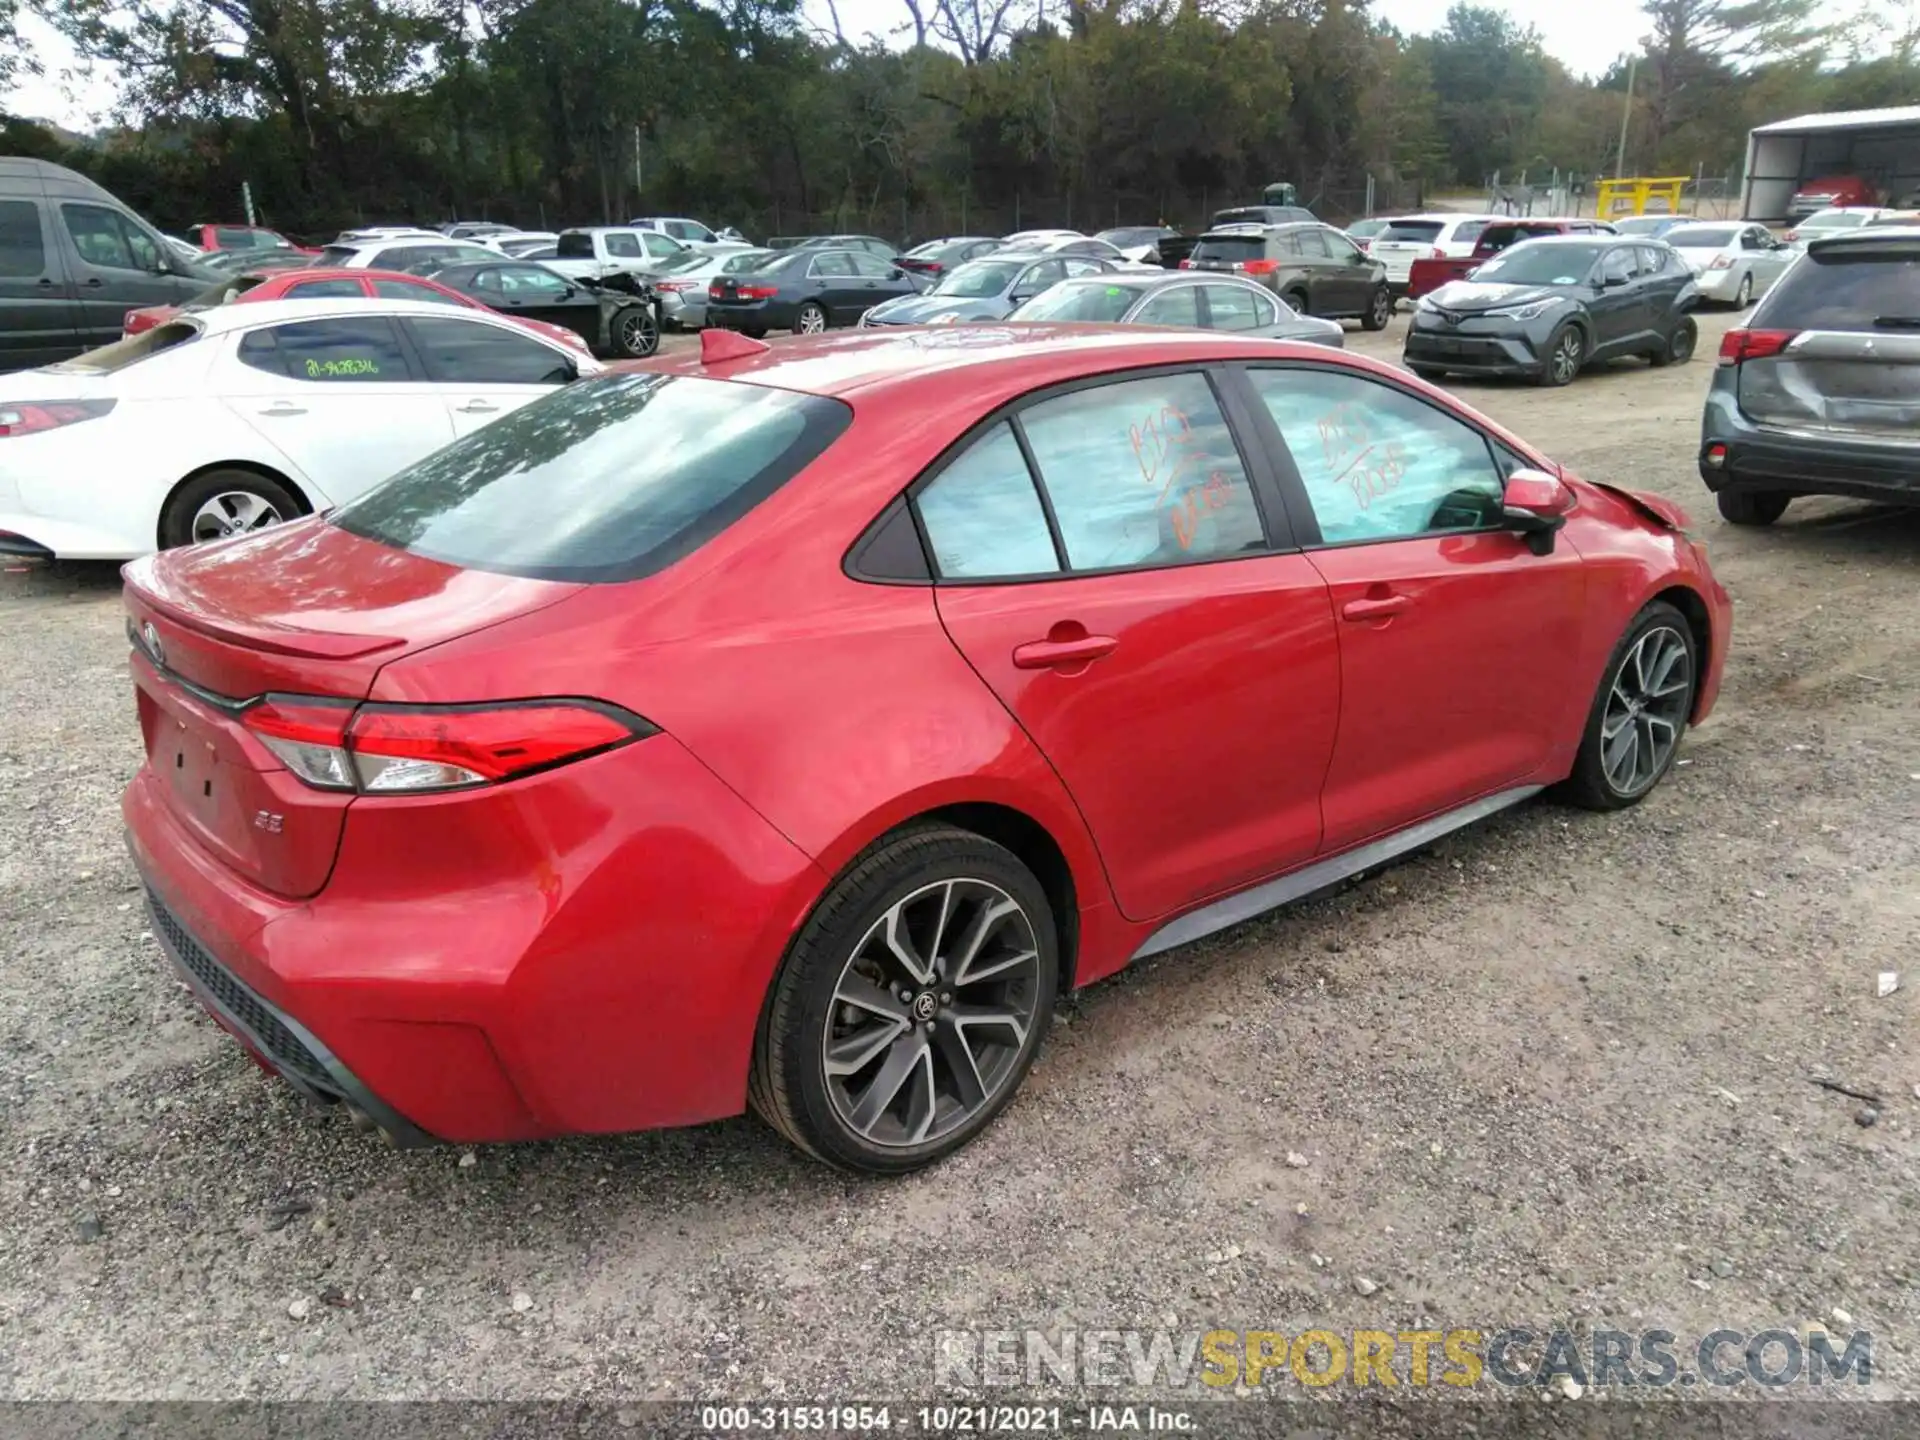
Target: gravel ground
pixel 1555 1070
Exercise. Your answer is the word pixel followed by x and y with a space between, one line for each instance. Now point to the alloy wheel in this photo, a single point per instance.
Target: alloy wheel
pixel 637 333
pixel 1646 708
pixel 812 320
pixel 1382 309
pixel 233 512
pixel 931 1012
pixel 1566 358
pixel 1745 298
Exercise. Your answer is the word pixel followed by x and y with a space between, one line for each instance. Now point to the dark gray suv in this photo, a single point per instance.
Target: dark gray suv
pixel 1315 268
pixel 1819 394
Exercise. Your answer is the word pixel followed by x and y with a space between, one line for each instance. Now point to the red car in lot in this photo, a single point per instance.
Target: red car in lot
pixel 311 283
pixel 789 726
pixel 1425 276
pixel 243 237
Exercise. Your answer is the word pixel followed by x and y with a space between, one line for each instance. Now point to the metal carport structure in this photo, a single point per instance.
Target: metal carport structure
pixel 1881 146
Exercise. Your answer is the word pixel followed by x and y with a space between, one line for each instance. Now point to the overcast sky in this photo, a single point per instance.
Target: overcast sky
pixel 1586 35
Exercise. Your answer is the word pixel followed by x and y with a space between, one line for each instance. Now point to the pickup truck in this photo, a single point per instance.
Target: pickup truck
pixel 1425 276
pixel 600 251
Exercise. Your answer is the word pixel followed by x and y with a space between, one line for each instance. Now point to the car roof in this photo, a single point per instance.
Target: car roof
pixel 1597 238
pixel 227 318
pixel 1010 357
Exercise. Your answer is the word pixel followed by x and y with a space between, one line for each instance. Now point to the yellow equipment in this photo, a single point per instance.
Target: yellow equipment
pixel 1633 195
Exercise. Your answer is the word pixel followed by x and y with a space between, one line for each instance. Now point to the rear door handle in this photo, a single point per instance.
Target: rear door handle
pixel 1046 654
pixel 95 283
pixel 283 407
pixel 479 407
pixel 1384 608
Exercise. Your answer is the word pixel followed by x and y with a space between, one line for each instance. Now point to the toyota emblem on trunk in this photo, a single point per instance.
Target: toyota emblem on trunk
pixel 150 637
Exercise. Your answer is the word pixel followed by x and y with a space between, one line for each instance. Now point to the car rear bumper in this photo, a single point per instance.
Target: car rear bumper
pixel 1758 459
pixel 760 315
pixel 585 953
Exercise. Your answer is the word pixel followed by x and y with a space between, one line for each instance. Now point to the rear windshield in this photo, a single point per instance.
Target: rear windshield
pixel 335 255
pixel 1498 237
pixel 1863 287
pixel 1420 232
pixel 574 245
pixel 1235 249
pixel 224 293
pixel 1701 237
pixel 1090 301
pixel 605 480
pixel 1257 215
pixel 122 353
pixel 1834 220
pixel 1132 235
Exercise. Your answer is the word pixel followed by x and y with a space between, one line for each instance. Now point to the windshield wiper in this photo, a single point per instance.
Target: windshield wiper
pixel 1897 322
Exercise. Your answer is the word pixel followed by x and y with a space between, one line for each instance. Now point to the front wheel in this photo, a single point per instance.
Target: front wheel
pixel 1566 353
pixel 1751 507
pixel 911 1006
pixel 1745 296
pixel 1379 311
pixel 223 503
pixel 1634 727
pixel 810 321
pixel 635 332
pixel 1679 347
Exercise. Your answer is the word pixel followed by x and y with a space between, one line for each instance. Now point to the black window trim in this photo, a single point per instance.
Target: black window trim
pixel 1293 489
pixel 1263 482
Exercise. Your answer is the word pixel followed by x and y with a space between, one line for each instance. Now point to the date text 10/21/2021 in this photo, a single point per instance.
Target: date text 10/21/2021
pixel 949 1419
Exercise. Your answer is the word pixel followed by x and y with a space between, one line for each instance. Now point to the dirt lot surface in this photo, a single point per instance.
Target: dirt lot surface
pixel 1558 1069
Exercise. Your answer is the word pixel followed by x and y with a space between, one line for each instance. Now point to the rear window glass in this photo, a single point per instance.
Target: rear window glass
pixel 122 353
pixel 335 255
pixel 606 480
pixel 1259 215
pixel 1419 232
pixel 1864 287
pixel 1236 249
pixel 1700 237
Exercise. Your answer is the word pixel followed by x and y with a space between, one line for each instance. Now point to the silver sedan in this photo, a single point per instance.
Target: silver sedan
pixel 1178 298
pixel 682 283
pixel 1733 263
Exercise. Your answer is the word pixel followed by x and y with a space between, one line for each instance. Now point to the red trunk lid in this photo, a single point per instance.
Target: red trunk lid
pixel 304 609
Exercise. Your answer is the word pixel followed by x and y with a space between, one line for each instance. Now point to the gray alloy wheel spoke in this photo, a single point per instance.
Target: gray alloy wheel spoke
pixel 233 512
pixel 1646 710
pixel 932 1012
pixel 903 1057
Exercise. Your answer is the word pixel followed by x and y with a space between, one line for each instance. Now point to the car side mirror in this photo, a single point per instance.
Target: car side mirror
pixel 1535 505
pixel 1613 282
pixel 1020 297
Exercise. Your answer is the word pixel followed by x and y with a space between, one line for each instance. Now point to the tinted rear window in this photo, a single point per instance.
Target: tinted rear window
pixel 1848 289
pixel 574 245
pixel 1235 249
pixel 333 255
pixel 1419 232
pixel 606 480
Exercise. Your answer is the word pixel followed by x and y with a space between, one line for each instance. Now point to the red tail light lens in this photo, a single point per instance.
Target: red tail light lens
pixel 759 292
pixel 1737 346
pixel 420 749
pixel 1261 267
pixel 1186 264
pixel 714 292
pixel 20 419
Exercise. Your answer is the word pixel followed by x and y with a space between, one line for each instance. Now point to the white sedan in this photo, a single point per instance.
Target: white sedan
pixel 1734 262
pixel 231 419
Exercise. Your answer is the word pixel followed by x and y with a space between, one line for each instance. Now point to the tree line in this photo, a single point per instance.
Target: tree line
pixel 978 116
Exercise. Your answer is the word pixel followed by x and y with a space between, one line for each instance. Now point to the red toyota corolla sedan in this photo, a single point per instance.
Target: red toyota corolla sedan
pixel 789 727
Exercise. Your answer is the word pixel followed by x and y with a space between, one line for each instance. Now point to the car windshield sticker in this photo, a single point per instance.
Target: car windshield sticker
pixel 340 369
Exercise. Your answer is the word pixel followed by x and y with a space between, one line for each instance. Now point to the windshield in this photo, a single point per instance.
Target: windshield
pixel 686 260
pixel 605 480
pixel 1701 237
pixel 978 279
pixel 1540 264
pixel 1091 301
pixel 747 260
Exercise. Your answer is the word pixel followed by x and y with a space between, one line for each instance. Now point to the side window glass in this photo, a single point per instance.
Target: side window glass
pixel 360 350
pixel 407 290
pixel 1049 272
pixel 258 350
pixel 1231 308
pixel 1652 262
pixel 471 352
pixel 623 245
pixel 1313 244
pixel 1177 306
pixel 1077 267
pixel 1376 463
pixel 23 252
pixel 834 264
pixel 1617 264
pixel 982 514
pixel 98 236
pixel 532 280
pixel 1143 472
pixel 1338 246
pixel 323 289
pixel 488 282
pixel 870 266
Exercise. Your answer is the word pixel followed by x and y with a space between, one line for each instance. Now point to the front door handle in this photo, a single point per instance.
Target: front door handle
pixel 479 407
pixel 1381 608
pixel 1051 654
pixel 95 283
pixel 283 407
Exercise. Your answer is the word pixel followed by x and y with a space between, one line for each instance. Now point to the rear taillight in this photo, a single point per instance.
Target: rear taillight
pixel 420 749
pixel 1436 253
pixel 1259 267
pixel 714 292
pixel 1186 264
pixel 676 286
pixel 1720 262
pixel 18 419
pixel 1737 346
pixel 759 292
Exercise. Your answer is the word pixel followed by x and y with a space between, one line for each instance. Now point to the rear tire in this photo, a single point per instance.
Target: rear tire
pixel 1751 507
pixel 1744 297
pixel 810 320
pixel 1297 299
pixel 1640 713
pixel 1680 345
pixel 224 503
pixel 849 1015
pixel 1380 311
